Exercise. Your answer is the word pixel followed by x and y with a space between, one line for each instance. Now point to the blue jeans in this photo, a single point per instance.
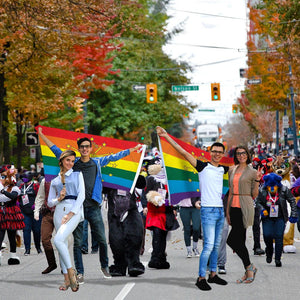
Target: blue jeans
pixel 35 226
pixel 85 243
pixel 273 228
pixel 188 214
pixel 212 220
pixel 94 217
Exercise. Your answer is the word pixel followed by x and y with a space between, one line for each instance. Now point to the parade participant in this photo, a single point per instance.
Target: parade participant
pixel 67 195
pixel 91 170
pixel 272 200
pixel 160 217
pixel 243 188
pixel 211 212
pixel 11 218
pixel 190 218
pixel 29 190
pixel 47 226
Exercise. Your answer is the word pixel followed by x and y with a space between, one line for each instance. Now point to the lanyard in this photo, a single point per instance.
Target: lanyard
pixel 275 198
pixel 25 190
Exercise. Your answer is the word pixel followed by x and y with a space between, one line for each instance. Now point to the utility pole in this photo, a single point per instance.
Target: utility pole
pixel 293 115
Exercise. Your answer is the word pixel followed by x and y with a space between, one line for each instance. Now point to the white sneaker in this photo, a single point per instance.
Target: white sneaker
pixel 189 254
pixel 80 278
pixel 196 252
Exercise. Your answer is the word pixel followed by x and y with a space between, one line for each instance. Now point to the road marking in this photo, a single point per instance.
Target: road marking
pixel 125 290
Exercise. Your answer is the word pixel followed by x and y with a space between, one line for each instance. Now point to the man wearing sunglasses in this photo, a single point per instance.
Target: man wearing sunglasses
pixel 212 212
pixel 91 170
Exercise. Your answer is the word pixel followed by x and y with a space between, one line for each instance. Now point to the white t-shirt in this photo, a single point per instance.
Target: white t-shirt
pixel 211 183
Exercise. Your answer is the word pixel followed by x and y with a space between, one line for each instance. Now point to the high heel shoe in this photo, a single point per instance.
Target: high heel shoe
pixel 73 280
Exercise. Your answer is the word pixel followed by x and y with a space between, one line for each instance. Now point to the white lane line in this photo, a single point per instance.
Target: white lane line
pixel 125 291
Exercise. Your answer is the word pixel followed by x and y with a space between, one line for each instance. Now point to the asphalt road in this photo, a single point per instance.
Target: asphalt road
pixel 25 281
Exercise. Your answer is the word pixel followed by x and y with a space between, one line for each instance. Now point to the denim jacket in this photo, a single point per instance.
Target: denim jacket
pixel 100 162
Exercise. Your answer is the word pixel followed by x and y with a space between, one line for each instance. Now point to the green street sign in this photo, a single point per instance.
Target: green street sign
pixel 212 110
pixel 184 88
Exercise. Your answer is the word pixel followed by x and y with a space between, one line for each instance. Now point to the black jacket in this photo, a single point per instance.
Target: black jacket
pixel 284 195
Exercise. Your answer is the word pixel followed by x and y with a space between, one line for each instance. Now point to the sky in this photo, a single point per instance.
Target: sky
pixel 212 23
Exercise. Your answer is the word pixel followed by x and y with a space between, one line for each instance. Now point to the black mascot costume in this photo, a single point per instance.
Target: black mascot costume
pixel 125 230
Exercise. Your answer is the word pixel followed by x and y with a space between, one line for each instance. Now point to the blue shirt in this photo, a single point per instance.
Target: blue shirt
pixel 74 187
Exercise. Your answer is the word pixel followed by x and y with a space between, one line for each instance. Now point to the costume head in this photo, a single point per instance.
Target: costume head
pixel 281 166
pixel 8 178
pixel 272 182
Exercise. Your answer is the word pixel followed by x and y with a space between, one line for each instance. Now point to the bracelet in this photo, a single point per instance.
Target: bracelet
pixel 257 180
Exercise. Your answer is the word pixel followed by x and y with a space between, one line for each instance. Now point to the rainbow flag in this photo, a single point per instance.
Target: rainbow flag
pixel 119 174
pixel 183 180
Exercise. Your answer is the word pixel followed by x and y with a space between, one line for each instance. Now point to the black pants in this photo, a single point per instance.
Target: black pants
pixel 237 236
pixel 256 229
pixel 159 244
pixel 11 237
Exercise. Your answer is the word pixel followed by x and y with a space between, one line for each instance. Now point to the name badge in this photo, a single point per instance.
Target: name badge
pixel 25 199
pixel 121 193
pixel 274 211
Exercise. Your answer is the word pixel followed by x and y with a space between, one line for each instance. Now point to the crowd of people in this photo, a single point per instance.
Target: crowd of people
pixel 259 189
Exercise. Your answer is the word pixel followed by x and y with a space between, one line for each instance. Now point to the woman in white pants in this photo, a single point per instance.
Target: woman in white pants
pixel 67 193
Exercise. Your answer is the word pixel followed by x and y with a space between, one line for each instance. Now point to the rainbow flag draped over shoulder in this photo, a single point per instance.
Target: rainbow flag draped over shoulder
pixel 183 179
pixel 118 174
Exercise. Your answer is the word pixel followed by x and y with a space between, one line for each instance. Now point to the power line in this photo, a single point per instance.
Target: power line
pixel 205 14
pixel 177 68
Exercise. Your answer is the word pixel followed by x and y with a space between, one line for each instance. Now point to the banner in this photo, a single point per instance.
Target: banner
pixel 183 179
pixel 119 174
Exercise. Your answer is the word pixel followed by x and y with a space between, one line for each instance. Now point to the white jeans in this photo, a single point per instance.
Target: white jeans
pixel 63 232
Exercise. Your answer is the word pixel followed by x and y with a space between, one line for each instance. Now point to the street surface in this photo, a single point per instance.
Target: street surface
pixel 25 281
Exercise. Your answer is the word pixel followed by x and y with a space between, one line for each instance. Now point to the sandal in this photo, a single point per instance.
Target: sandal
pixel 73 280
pixel 251 269
pixel 64 286
pixel 241 280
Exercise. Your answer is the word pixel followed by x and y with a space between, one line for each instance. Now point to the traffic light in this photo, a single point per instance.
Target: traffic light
pixel 151 93
pixel 215 91
pixel 234 108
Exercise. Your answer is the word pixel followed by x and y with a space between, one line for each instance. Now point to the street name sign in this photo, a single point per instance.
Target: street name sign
pixel 184 88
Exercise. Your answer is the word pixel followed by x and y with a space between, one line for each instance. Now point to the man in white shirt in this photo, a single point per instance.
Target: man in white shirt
pixel 212 212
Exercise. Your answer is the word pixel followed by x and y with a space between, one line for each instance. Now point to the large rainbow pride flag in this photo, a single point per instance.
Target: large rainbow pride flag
pixel 183 180
pixel 119 174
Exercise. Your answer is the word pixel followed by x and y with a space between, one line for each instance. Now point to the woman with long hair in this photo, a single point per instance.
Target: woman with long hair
pixel 243 189
pixel 67 193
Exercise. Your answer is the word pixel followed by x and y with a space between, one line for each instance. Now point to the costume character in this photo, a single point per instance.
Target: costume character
pixel 272 200
pixel 11 218
pixel 282 167
pixel 125 230
pixel 160 214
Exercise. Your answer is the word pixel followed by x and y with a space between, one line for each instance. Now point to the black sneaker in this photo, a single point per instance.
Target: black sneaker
pixel 84 251
pixel 259 251
pixel 222 270
pixel 202 284
pixel 27 252
pixel 269 259
pixel 216 279
pixel 278 263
